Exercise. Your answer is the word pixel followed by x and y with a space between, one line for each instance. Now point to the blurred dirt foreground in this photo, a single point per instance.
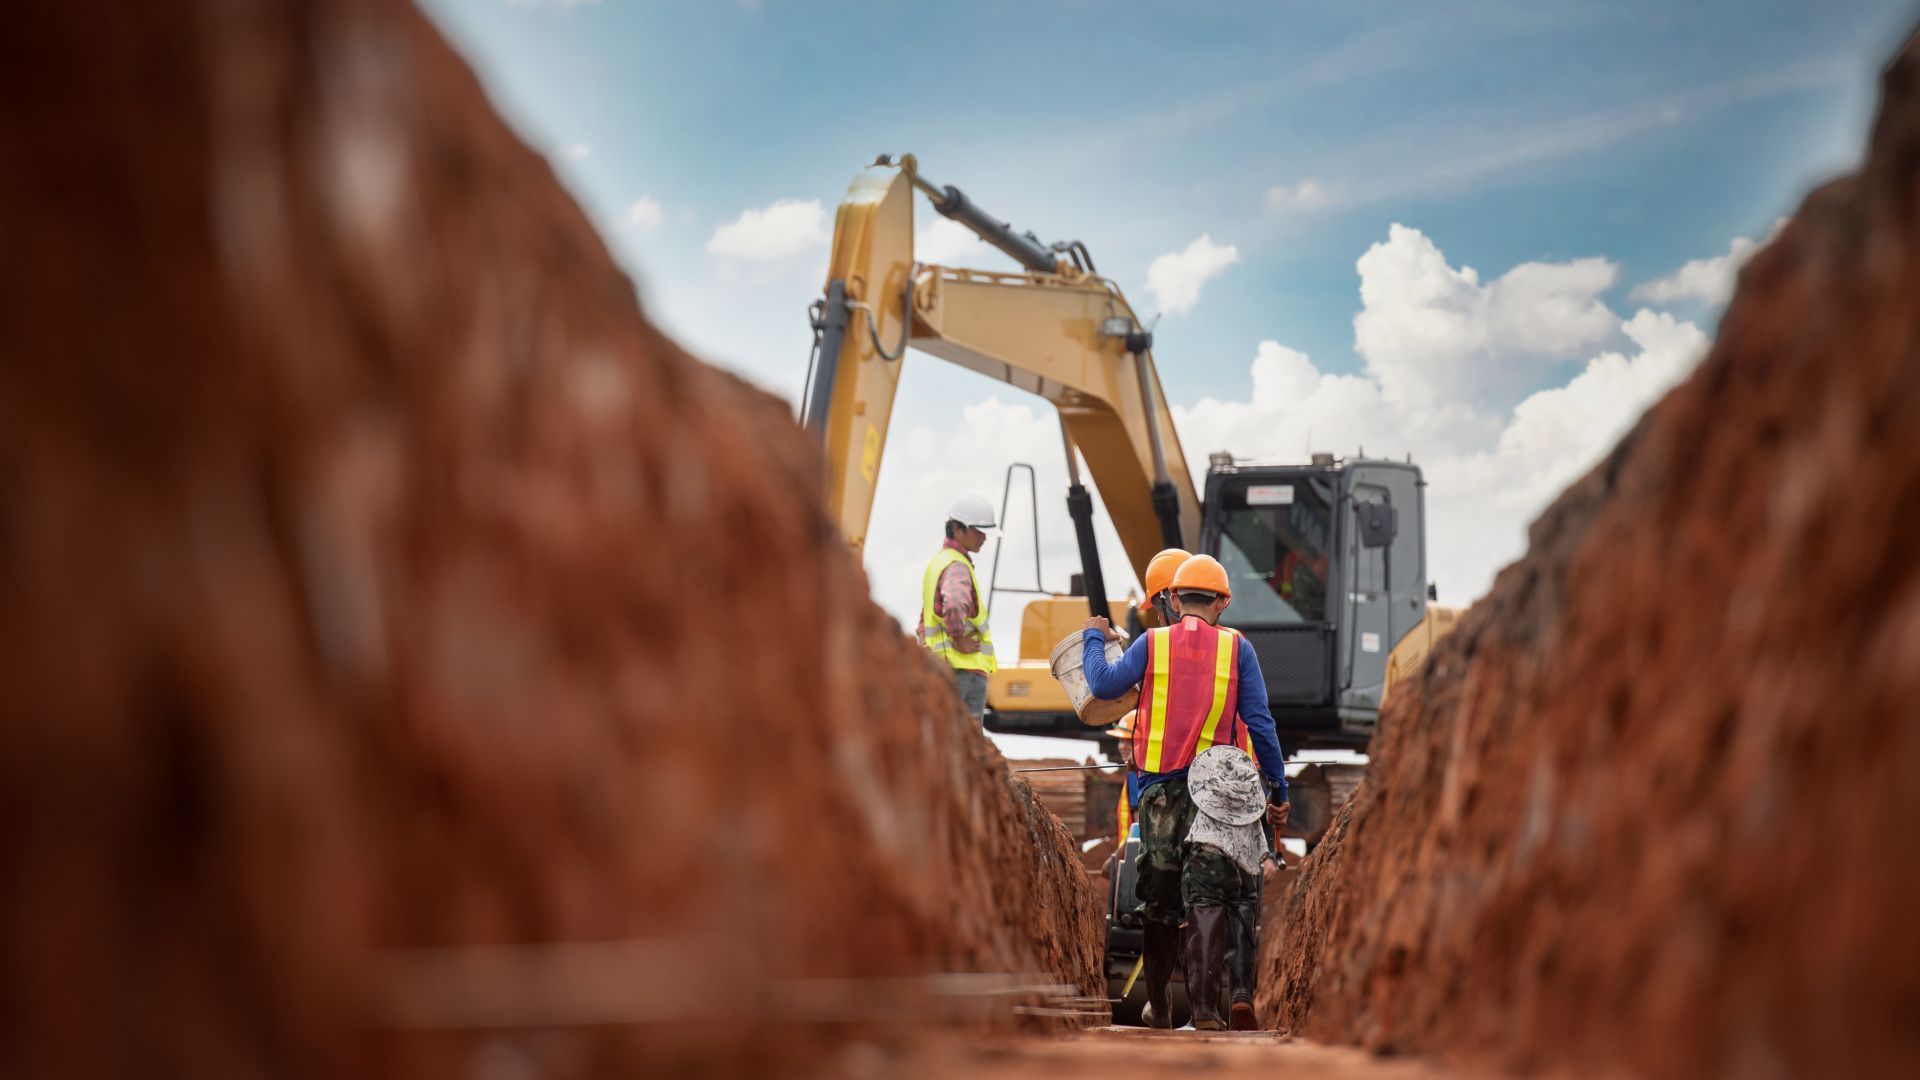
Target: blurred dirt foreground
pixel 411 662
pixel 1652 809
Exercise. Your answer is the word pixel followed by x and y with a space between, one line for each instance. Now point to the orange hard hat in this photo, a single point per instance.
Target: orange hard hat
pixel 1160 573
pixel 1202 573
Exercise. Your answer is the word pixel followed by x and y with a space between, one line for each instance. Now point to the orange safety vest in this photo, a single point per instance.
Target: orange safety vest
pixel 1189 698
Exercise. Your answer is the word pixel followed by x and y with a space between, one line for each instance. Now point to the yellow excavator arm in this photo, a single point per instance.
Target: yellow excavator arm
pixel 1054 328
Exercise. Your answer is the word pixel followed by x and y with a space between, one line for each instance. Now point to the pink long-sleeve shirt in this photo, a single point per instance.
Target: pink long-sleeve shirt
pixel 955 602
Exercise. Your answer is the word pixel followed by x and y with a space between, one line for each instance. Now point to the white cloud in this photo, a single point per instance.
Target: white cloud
pixel 1557 434
pixel 949 243
pixel 1430 332
pixel 787 228
pixel 560 4
pixel 1306 197
pixel 1708 280
pixel 645 214
pixel 578 151
pixel 1489 474
pixel 1176 277
pixel 1294 409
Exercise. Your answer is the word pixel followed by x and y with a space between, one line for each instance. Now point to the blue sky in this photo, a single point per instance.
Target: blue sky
pixel 1599 148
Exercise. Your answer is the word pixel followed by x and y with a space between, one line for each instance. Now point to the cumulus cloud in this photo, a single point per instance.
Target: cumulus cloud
pixel 1489 473
pixel 788 227
pixel 1708 280
pixel 1557 434
pixel 578 151
pixel 949 243
pixel 1176 277
pixel 645 214
pixel 1305 197
pixel 1431 332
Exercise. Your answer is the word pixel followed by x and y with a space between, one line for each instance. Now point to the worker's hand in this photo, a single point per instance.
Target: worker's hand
pixel 1277 814
pixel 1102 625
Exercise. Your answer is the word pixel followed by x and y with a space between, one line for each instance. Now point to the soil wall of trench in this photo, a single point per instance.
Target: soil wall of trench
pixel 411 661
pixel 1651 808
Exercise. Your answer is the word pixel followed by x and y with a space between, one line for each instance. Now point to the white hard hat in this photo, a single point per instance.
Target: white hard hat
pixel 971 509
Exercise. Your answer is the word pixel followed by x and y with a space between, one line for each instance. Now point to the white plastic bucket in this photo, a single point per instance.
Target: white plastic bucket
pixel 1094 712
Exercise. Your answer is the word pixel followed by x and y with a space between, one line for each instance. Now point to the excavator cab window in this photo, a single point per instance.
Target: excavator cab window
pixel 1274 537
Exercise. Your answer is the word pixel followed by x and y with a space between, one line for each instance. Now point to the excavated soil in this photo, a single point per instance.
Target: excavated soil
pixel 411 662
pixel 1652 807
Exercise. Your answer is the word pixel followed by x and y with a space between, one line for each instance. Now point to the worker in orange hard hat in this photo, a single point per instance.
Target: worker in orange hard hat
pixel 1123 814
pixel 1200 686
pixel 1159 579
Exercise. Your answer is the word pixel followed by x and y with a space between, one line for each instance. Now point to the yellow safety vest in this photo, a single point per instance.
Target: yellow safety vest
pixel 933 630
pixel 1189 696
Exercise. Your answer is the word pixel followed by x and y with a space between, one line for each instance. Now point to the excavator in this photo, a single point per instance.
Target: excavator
pixel 1327 558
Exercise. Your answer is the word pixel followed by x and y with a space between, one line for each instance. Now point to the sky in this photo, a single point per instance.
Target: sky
pixel 1486 234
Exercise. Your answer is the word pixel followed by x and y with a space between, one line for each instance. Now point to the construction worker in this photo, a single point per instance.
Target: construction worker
pixel 1123 814
pixel 1159 579
pixel 953 617
pixel 1160 570
pixel 1243 918
pixel 1200 686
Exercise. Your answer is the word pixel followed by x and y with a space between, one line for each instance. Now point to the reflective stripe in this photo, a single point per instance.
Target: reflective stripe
pixel 946 645
pixel 1159 652
pixel 1222 673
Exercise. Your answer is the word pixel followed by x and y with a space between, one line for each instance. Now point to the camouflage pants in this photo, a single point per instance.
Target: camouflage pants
pixel 1173 874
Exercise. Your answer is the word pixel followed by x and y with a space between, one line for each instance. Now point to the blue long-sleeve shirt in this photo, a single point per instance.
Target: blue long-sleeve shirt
pixel 1112 680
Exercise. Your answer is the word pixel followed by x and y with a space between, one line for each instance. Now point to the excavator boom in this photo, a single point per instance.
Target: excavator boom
pixel 1054 328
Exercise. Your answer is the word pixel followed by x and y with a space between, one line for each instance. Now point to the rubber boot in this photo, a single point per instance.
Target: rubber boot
pixel 1206 964
pixel 1243 951
pixel 1161 947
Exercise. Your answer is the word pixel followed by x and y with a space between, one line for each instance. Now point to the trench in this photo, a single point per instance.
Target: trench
pixel 416 664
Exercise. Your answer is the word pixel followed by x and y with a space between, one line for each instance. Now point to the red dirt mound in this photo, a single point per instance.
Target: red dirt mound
pixel 410 660
pixel 1652 806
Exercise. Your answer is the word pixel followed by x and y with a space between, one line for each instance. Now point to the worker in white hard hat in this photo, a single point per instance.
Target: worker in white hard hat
pixel 953 614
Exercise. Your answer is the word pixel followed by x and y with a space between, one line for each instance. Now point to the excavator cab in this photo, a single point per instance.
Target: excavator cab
pixel 1329 576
